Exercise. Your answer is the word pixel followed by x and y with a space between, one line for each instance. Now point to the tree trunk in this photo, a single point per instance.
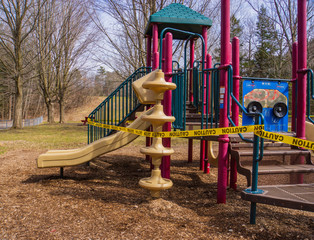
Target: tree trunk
pixel 61 111
pixel 18 106
pixel 10 107
pixel 49 111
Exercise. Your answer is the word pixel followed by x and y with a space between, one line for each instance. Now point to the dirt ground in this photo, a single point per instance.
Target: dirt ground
pixel 104 201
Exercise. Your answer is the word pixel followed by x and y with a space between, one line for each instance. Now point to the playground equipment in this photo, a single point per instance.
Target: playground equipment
pixel 207 97
pixel 64 158
pixel 155 82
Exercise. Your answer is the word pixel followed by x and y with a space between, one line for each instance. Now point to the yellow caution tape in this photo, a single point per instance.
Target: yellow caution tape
pixel 257 129
pixel 286 139
pixel 173 134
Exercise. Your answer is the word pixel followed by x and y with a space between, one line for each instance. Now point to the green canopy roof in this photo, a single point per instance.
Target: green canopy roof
pixel 180 17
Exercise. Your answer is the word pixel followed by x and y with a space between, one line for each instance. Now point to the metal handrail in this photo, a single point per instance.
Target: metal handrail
pixel 257 116
pixel 310 93
pixel 177 99
pixel 117 107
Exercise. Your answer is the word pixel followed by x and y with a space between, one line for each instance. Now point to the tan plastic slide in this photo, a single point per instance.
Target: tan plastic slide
pixel 64 158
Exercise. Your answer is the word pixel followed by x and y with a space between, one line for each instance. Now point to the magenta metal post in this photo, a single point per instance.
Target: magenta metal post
pixel 294 85
pixel 154 66
pixel 208 65
pixel 294 178
pixel 165 166
pixel 204 144
pixel 155 47
pixel 301 82
pixel 302 65
pixel 223 121
pixel 192 49
pixel 235 107
pixel 148 64
pixel 163 55
pixel 149 51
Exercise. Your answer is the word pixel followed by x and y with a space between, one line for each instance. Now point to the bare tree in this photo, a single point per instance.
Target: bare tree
pixel 124 47
pixel 72 39
pixel 18 20
pixel 44 45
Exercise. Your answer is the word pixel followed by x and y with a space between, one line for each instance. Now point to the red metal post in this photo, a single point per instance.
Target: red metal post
pixel 294 178
pixel 163 55
pixel 208 65
pixel 190 148
pixel 148 64
pixel 235 107
pixel 204 144
pixel 155 66
pixel 302 65
pixel 155 47
pixel 165 166
pixel 192 49
pixel 149 51
pixel 294 85
pixel 223 121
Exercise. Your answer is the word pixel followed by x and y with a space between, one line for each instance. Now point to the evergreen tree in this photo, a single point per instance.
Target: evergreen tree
pixel 100 81
pixel 236 30
pixel 265 56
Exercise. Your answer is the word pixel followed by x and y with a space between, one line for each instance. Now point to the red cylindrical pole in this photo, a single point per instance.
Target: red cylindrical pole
pixel 155 66
pixel 204 144
pixel 294 85
pixel 149 51
pixel 223 121
pixel 235 107
pixel 302 65
pixel 155 47
pixel 165 167
pixel 208 65
pixel 192 49
pixel 148 64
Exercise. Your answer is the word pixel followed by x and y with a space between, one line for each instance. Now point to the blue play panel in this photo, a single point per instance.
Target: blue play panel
pixel 271 99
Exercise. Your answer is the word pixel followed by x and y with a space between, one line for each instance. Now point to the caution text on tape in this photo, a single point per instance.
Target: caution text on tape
pixel 257 129
pixel 173 134
pixel 286 139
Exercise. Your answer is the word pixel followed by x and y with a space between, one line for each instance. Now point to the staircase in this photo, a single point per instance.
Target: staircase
pixel 278 158
pixel 119 107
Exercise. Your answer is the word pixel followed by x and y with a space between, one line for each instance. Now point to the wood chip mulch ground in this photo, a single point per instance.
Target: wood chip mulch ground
pixel 104 201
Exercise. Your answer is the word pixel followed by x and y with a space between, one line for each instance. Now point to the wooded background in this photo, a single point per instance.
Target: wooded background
pixel 54 53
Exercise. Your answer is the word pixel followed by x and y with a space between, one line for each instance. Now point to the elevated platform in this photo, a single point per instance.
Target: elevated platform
pixel 299 196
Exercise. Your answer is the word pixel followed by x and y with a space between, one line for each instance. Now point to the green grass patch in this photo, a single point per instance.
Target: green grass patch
pixel 43 137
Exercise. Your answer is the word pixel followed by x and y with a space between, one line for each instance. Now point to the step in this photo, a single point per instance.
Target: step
pixel 266 165
pixel 234 138
pixel 285 169
pixel 251 145
pixel 275 152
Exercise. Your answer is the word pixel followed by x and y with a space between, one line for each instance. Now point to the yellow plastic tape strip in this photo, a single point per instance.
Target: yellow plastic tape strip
pixel 286 139
pixel 173 134
pixel 257 129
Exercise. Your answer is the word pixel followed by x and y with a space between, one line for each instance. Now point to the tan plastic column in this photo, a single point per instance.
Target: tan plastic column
pixel 157 118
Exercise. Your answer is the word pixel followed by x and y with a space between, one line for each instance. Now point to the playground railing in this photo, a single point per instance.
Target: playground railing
pixel 258 143
pixel 310 93
pixel 209 110
pixel 178 110
pixel 117 107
